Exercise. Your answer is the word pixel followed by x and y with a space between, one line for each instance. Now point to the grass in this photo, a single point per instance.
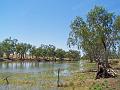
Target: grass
pixel 76 81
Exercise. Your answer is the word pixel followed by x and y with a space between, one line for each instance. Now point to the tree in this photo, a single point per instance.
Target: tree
pixel 60 53
pixel 9 46
pixel 73 55
pixel 28 48
pixel 38 52
pixel 51 51
pixel 32 51
pixel 1 50
pixel 118 53
pixel 22 49
pixel 44 51
pixel 113 54
pixel 97 35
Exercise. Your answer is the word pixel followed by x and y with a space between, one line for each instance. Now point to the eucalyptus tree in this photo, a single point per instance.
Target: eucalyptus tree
pixel 38 52
pixel 117 27
pixel 22 49
pixel 32 51
pixel 19 50
pixel 51 51
pixel 73 55
pixel 60 53
pixel 96 35
pixel 44 51
pixel 28 48
pixel 118 53
pixel 113 54
pixel 1 50
pixel 9 46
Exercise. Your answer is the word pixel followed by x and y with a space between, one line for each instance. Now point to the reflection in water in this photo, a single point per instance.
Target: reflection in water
pixel 39 67
pixel 40 70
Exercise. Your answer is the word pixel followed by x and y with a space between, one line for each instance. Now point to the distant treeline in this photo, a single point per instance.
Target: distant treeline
pixel 12 49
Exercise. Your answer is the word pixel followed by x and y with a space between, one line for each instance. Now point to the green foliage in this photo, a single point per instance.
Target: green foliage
pixel 22 49
pixel 73 55
pixel 100 86
pixel 60 54
pixel 8 46
pixel 25 51
pixel 1 50
pixel 38 52
pixel 96 87
pixel 97 35
pixel 118 52
pixel 33 51
pixel 51 50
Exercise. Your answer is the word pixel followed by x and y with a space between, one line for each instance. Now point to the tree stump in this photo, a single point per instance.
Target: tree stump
pixel 103 72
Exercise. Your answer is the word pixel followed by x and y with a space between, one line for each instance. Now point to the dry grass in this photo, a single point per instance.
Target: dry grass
pixel 77 81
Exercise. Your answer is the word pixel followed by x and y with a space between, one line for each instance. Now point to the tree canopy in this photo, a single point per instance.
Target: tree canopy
pixel 12 49
pixel 97 35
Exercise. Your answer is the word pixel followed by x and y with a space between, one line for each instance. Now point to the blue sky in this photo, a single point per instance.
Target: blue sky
pixel 45 21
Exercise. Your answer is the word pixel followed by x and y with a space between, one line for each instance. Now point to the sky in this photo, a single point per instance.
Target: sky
pixel 45 21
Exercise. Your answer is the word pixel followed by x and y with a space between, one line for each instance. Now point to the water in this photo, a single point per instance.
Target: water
pixel 40 67
pixel 43 73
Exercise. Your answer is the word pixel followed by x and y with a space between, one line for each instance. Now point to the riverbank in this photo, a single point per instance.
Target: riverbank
pixel 78 81
pixel 75 81
pixel 39 60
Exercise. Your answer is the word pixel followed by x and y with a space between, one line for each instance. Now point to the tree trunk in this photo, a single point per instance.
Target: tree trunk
pixel 103 72
pixel 20 56
pixel 7 55
pixel 103 65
